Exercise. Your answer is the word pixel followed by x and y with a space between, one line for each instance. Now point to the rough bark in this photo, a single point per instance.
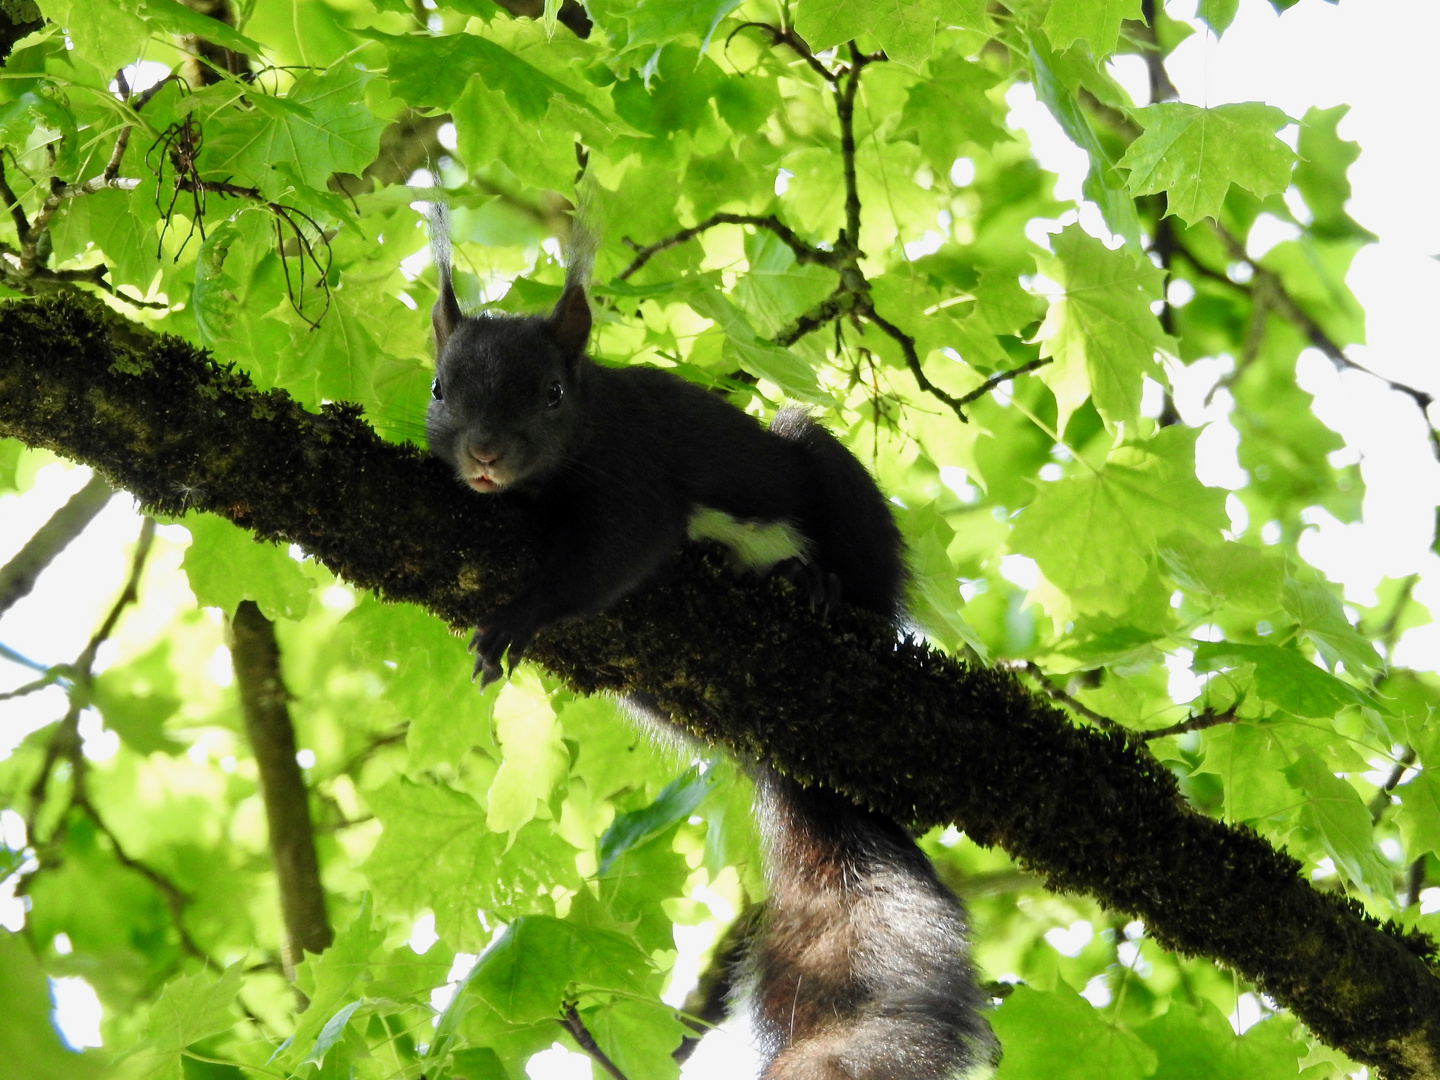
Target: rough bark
pixel 913 733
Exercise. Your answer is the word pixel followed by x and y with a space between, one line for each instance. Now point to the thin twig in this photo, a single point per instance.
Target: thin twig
pixel 787 36
pixel 66 743
pixel 1199 722
pixel 1054 693
pixel 844 92
pixel 576 1027
pixel 912 358
pixel 50 678
pixel 1000 377
pixel 804 252
pixel 1286 306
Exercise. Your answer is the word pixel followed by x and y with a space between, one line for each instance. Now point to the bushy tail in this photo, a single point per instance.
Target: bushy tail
pixel 860 972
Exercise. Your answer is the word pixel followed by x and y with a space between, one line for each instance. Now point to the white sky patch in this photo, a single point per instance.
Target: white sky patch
pixel 1248 1012
pixel 1020 570
pixel 558 1063
pixel 1070 940
pixel 97 742
pixel 77 1012
pixel 1097 991
pixel 1184 684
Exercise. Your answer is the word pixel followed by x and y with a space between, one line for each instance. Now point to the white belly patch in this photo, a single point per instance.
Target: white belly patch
pixel 753 545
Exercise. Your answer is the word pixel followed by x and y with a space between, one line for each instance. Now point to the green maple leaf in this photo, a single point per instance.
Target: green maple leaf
pixel 438 851
pixel 1419 813
pixel 1339 817
pixel 660 22
pixel 1194 155
pixel 319 128
pixel 950 108
pixel 1097 21
pixel 905 29
pixel 1197 1043
pixel 191 1008
pixel 32 1047
pixel 1093 533
pixel 1100 331
pixel 225 565
pixel 1283 677
pixel 1042 1028
pixel 528 974
pixel 328 981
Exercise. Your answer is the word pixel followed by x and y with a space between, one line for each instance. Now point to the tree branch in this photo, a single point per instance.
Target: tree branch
pixel 958 743
pixel 17 577
pixel 572 1023
pixel 263 702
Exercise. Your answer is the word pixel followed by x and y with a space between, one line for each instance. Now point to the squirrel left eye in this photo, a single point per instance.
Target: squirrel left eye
pixel 554 394
pixel 435 390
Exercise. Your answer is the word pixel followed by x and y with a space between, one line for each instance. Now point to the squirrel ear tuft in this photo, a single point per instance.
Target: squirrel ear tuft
pixel 570 322
pixel 445 316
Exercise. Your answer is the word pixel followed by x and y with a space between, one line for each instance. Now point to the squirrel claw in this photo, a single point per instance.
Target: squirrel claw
pixel 498 645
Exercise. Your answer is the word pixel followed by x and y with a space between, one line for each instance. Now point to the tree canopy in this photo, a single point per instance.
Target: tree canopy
pixel 262 814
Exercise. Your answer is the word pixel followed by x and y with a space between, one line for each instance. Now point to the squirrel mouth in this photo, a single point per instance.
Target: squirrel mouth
pixel 483 483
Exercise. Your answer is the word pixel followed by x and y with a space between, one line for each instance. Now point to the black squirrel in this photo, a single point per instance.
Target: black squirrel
pixel 859 969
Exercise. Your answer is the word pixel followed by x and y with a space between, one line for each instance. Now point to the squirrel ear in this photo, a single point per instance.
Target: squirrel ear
pixel 445 315
pixel 570 321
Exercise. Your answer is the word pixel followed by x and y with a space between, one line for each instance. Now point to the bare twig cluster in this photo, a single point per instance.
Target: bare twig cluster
pixel 851 297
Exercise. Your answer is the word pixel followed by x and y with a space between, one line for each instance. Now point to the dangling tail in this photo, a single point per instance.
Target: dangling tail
pixel 860 971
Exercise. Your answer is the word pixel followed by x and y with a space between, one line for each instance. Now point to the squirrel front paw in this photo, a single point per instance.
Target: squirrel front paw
pixel 504 635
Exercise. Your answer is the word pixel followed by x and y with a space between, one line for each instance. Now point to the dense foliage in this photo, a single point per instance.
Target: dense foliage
pixel 825 204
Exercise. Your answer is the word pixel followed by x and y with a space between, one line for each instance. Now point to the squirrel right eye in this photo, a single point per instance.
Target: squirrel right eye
pixel 435 390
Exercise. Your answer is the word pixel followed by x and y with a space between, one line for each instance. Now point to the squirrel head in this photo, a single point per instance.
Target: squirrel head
pixel 507 403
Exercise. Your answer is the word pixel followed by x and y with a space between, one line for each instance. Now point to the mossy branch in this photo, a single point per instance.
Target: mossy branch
pixel 911 732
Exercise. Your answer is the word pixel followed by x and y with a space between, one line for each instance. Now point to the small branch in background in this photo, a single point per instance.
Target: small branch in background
pixel 804 252
pixel 1278 297
pixel 17 577
pixel 1161 88
pixel 1415 882
pixel 263 702
pixel 1388 632
pixel 852 294
pixel 1054 693
pixel 786 36
pixel 572 1023
pixel 1381 802
pixel 1199 722
pixel 65 744
pixel 1002 376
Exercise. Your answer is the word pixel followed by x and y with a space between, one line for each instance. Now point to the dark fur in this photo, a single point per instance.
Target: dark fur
pixel 860 969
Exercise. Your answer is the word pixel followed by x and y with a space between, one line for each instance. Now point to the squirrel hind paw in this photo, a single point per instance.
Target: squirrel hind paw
pixel 820 587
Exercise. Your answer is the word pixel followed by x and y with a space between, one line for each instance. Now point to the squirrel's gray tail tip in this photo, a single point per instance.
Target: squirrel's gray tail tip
pixel 585 230
pixel 437 214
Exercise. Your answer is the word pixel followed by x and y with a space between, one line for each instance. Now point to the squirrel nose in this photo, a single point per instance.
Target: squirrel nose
pixel 484 455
